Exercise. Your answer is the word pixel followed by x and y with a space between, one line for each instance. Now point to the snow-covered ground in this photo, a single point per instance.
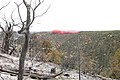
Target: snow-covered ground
pixel 11 63
pixel 73 75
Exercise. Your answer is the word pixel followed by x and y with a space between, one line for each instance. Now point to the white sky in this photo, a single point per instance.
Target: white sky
pixel 80 15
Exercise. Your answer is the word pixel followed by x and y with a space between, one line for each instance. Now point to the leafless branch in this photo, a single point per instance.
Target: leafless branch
pixel 35 2
pixel 18 7
pixel 33 10
pixel 19 26
pixel 25 3
pixel 12 16
pixel 15 24
pixel 5 6
pixel 38 5
pixel 33 13
pixel 4 18
pixel 2 28
pixel 10 27
pixel 44 12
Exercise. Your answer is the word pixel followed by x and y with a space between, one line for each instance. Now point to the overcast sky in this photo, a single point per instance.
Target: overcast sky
pixel 80 15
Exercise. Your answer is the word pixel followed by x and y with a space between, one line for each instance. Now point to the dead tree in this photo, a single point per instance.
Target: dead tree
pixel 8 31
pixel 25 31
pixel 6 41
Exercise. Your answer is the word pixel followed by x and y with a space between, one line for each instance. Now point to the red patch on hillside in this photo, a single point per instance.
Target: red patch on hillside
pixel 64 32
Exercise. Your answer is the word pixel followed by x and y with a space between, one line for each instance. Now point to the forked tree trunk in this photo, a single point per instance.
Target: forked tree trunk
pixel 25 30
pixel 25 46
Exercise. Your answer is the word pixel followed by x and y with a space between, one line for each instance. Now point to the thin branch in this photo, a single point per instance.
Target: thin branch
pixel 38 5
pixel 33 13
pixel 4 18
pixel 18 7
pixel 20 15
pixel 19 26
pixel 25 3
pixel 10 27
pixel 44 12
pixel 12 16
pixel 14 21
pixel 5 6
pixel 33 10
pixel 2 29
pixel 35 2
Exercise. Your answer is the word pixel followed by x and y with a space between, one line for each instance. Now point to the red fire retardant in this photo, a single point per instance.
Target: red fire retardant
pixel 64 32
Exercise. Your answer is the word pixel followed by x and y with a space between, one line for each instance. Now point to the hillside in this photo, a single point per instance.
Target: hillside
pixel 38 71
pixel 97 52
pixel 96 49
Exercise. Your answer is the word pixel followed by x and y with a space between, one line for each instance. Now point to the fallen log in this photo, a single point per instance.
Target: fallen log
pixel 103 78
pixel 6 56
pixel 14 72
pixel 33 75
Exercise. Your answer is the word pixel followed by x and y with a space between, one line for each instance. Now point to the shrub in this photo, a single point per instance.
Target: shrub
pixel 115 65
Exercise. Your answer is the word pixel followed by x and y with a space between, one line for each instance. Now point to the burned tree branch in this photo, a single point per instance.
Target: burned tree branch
pixel 4 19
pixel 20 17
pixel 5 6
pixel 13 21
pixel 2 28
pixel 12 16
pixel 33 11
pixel 19 11
pixel 44 12
pixel 1 9
pixel 8 32
pixel 25 3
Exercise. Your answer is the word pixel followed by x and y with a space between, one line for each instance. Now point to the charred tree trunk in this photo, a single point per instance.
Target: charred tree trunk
pixel 22 56
pixel 6 43
pixel 6 39
pixel 25 46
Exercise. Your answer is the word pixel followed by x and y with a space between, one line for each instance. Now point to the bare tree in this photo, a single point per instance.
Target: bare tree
pixel 6 41
pixel 25 31
pixel 8 31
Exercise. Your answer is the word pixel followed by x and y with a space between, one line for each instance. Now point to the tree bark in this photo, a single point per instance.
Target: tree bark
pixel 6 43
pixel 22 56
pixel 25 45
